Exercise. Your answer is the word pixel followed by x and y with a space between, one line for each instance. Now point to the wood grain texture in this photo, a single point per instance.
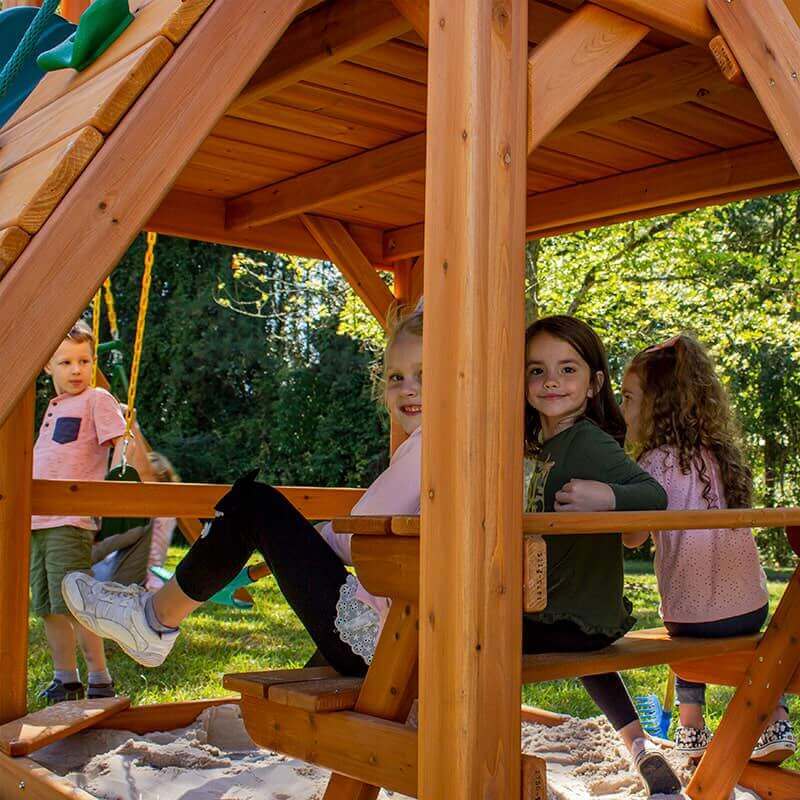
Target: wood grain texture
pixel 766 42
pixel 12 242
pixel 127 180
pixel 258 684
pixel 684 19
pixel 729 670
pixel 570 63
pixel 534 778
pixel 160 716
pixel 534 574
pixel 333 694
pixel 726 61
pixel 19 775
pixel 16 465
pixel 773 783
pixel 417 12
pixel 30 191
pixel 387 566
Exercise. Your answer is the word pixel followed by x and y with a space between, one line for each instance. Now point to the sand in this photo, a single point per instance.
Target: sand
pixel 214 759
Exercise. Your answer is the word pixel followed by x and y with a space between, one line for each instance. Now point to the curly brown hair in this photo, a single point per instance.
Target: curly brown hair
pixel 685 406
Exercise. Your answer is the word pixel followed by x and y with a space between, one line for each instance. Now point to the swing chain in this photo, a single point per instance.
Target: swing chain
pixel 144 297
pixel 95 334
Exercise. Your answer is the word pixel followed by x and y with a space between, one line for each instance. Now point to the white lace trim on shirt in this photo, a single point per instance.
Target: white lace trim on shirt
pixel 357 623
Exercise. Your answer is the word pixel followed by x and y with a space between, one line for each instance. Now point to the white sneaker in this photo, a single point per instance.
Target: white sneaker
pixel 116 612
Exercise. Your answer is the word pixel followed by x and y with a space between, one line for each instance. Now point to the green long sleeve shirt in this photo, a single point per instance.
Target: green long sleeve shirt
pixel 585 571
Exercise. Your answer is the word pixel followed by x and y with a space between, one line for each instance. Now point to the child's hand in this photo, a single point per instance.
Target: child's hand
pixel 579 495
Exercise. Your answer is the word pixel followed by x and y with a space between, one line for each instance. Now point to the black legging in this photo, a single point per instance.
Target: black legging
pixel 310 575
pixel 607 690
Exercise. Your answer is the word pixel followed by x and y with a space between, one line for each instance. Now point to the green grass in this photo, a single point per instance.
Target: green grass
pixel 216 640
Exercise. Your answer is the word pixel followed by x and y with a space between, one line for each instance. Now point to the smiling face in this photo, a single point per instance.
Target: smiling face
pixel 558 382
pixel 404 381
pixel 71 367
pixel 632 396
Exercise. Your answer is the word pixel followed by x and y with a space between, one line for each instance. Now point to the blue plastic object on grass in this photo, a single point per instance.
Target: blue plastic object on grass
pixel 654 716
pixel 14 22
pixel 223 597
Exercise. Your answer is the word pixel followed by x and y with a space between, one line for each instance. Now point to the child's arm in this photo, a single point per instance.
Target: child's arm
pixel 116 459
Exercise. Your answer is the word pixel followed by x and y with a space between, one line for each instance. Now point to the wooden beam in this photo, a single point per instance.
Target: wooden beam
pixel 684 19
pixel 196 500
pixel 775 661
pixel 323 37
pixel 22 777
pixel 16 466
pixel 417 12
pixel 571 62
pixel 61 268
pixel 766 42
pixel 473 346
pixel 12 242
pixel 365 172
pixel 343 251
pixel 161 716
pixel 771 782
pixel 749 171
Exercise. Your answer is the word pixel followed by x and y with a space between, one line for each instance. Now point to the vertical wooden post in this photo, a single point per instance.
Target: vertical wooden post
pixel 16 473
pixel 471 545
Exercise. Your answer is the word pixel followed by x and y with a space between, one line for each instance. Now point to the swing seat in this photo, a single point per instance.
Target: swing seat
pixel 13 24
pixel 98 28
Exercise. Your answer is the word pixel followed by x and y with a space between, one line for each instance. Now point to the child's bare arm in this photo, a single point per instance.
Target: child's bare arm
pixel 633 540
pixel 116 459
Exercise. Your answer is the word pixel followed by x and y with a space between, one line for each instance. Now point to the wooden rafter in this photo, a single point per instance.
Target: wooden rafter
pixel 685 19
pixel 365 172
pixel 766 41
pixel 62 266
pixel 342 250
pixel 417 12
pixel 195 216
pixel 721 177
pixel 323 37
pixel 570 63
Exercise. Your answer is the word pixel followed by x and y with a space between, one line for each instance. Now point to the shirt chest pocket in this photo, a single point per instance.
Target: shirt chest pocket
pixel 66 429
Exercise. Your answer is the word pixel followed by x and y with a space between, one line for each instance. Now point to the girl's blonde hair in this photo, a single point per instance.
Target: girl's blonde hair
pixel 685 406
pixel 396 325
pixel 162 468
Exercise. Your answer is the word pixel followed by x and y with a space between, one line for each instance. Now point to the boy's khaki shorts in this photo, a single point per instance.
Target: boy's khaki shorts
pixel 54 553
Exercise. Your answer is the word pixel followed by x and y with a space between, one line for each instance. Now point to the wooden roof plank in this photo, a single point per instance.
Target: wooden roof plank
pixel 320 39
pixel 343 251
pixel 99 103
pixel 397 58
pixel 707 125
pixel 571 62
pixel 417 12
pixel 356 175
pixel 766 42
pixel 31 190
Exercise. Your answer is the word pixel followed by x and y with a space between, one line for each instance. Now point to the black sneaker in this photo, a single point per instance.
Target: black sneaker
pixel 97 690
pixel 58 692
pixel 656 773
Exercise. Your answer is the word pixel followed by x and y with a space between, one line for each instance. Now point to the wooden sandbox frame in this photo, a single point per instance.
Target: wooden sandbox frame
pixel 82 149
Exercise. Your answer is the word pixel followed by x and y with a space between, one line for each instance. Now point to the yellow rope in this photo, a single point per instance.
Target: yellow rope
pixel 111 309
pixel 144 296
pixel 95 334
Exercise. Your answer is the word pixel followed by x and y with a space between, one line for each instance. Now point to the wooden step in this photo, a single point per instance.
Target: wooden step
pixel 644 648
pixel 313 689
pixel 29 733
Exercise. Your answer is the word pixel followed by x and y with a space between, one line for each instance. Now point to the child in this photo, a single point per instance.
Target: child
pixel 573 436
pixel 79 426
pixel 711 583
pixel 341 617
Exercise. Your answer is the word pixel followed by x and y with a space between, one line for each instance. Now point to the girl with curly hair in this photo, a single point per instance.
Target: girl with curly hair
pixel 682 430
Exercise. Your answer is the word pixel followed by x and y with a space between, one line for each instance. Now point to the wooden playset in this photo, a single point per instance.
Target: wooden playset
pixel 380 134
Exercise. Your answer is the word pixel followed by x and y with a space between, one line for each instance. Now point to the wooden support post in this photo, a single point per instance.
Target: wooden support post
pixel 766 41
pixel 470 624
pixel 16 471
pixel 572 61
pixel 534 778
pixel 342 250
pixel 417 12
pixel 685 19
pixel 774 662
pixel 726 61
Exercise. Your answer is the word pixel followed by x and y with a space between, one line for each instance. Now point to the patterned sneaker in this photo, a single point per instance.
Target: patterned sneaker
pixel 98 690
pixel 776 744
pixel 656 773
pixel 692 742
pixel 58 692
pixel 116 612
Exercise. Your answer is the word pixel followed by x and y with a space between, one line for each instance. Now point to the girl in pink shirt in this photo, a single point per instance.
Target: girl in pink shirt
pixel 682 429
pixel 342 618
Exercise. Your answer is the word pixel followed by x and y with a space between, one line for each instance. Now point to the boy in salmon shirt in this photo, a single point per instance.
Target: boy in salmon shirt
pixel 78 427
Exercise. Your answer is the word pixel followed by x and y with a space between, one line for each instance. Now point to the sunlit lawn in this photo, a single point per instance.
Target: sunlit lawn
pixel 216 640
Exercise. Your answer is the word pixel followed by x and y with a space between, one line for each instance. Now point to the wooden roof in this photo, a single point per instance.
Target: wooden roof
pixel 196 125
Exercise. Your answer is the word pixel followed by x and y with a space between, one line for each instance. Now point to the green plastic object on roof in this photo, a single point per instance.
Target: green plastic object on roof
pixel 98 28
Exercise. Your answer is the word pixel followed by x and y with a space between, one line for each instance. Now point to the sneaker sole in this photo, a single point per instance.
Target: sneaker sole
pixel 658 775
pixel 94 626
pixel 774 753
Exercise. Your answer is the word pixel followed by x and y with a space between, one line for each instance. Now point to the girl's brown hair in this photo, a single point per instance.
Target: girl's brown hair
pixel 685 406
pixel 601 408
pixel 162 468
